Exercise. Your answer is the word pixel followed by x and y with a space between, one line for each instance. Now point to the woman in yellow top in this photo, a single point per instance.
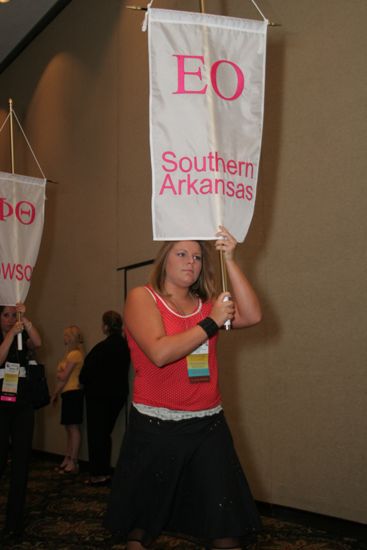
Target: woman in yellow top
pixel 67 384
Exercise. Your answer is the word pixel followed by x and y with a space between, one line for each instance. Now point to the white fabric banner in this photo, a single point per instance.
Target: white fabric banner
pixel 22 201
pixel 207 76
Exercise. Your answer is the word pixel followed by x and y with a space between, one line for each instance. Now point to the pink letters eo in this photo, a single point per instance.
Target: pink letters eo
pixel 181 72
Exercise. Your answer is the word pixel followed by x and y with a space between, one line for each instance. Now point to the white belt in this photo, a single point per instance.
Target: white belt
pixel 22 373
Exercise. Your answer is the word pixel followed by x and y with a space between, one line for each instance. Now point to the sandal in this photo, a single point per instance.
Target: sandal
pixel 73 469
pixel 63 465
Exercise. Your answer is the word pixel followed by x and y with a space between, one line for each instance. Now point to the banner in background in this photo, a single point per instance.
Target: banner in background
pixel 207 77
pixel 22 201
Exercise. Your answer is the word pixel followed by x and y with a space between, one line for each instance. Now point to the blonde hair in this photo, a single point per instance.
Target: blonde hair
pixel 75 340
pixel 204 286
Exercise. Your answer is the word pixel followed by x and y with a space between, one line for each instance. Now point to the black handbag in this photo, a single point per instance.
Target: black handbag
pixel 38 387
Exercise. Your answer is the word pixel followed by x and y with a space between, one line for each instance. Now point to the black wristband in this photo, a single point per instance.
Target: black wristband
pixel 209 326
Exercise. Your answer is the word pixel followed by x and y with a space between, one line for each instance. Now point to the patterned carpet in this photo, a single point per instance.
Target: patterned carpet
pixel 64 513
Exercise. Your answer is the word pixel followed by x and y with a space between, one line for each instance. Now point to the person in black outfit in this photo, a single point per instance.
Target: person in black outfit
pixel 104 376
pixel 16 413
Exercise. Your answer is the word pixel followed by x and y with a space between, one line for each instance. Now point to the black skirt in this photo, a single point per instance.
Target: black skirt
pixel 72 407
pixel 181 478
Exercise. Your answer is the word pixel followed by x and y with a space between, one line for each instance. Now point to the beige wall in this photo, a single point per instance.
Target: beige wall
pixel 295 386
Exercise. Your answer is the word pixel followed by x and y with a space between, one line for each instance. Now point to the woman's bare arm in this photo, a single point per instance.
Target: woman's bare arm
pixel 144 322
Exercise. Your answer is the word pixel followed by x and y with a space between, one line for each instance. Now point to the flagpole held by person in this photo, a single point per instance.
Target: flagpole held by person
pixel 178 471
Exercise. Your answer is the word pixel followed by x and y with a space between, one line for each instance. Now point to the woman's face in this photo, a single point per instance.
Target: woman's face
pixel 8 318
pixel 184 263
pixel 66 337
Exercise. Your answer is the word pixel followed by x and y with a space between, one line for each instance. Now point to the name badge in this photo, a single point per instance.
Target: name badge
pixel 198 364
pixel 10 382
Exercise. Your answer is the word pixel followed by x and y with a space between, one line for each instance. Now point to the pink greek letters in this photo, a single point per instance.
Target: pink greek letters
pixel 24 211
pixel 190 76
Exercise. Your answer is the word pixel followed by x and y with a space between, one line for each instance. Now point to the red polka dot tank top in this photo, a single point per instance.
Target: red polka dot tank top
pixel 169 386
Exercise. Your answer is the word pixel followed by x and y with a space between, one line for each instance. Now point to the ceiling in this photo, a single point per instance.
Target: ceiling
pixel 21 21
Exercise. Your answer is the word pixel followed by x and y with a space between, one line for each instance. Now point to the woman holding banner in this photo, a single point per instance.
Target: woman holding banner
pixel 178 471
pixel 16 411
